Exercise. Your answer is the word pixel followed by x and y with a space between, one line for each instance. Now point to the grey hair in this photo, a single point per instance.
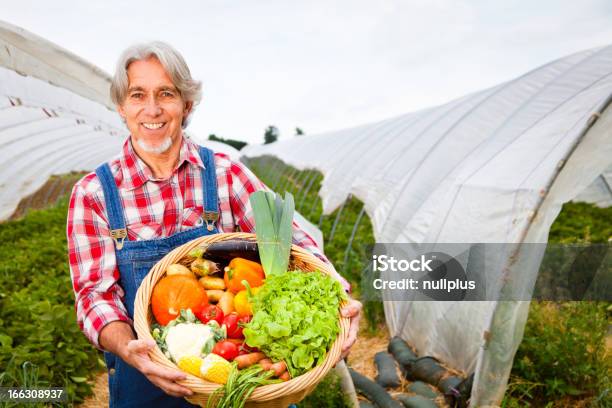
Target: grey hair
pixel 173 63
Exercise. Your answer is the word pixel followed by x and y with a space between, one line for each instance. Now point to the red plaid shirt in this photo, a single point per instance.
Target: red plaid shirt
pixel 153 209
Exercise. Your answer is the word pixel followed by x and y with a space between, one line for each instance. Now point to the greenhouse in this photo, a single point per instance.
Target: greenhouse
pixel 495 166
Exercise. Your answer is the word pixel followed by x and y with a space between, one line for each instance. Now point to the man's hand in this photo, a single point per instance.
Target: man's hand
pixel 352 310
pixel 118 338
pixel 136 355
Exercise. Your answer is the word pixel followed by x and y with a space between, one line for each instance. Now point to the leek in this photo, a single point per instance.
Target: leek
pixel 274 229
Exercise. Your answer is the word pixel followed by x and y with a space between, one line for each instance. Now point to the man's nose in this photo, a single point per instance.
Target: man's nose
pixel 152 106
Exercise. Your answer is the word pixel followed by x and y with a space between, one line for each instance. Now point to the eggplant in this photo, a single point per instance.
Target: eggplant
pixel 225 251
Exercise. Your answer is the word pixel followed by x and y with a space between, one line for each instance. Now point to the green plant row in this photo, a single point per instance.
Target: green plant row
pixel 563 360
pixel 40 342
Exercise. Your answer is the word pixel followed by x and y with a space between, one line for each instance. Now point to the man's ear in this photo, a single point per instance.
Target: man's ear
pixel 188 107
pixel 121 112
pixel 186 112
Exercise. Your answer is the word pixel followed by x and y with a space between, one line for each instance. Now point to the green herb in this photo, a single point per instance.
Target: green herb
pixel 239 387
pixel 296 319
pixel 273 227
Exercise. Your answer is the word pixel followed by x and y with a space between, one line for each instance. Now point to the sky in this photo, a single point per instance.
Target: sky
pixel 324 65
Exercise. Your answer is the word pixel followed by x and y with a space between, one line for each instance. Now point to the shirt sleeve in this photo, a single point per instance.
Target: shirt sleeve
pixel 242 184
pixel 93 268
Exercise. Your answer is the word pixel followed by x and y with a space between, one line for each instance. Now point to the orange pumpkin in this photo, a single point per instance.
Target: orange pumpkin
pixel 176 292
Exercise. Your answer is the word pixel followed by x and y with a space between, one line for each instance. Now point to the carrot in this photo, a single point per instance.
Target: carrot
pixel 285 376
pixel 266 363
pixel 247 360
pixel 279 368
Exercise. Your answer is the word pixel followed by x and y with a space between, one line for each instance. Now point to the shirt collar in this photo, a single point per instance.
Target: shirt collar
pixel 136 172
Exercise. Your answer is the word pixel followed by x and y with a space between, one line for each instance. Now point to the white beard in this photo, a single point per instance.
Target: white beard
pixel 162 148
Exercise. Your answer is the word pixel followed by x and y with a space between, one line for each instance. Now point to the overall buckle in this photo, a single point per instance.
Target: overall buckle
pixel 119 235
pixel 210 217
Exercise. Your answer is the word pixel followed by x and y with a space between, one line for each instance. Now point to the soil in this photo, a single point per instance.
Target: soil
pixel 56 187
pixel 99 398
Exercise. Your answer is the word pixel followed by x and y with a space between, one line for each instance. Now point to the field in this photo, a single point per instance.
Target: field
pixel 562 362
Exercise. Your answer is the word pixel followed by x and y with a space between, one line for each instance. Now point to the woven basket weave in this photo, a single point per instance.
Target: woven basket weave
pixel 275 395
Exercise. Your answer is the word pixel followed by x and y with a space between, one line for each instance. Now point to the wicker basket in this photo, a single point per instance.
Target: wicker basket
pixel 275 395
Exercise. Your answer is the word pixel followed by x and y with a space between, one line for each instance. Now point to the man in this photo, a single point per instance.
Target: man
pixel 160 192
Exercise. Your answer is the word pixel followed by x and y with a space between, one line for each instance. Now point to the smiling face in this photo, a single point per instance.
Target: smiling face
pixel 153 108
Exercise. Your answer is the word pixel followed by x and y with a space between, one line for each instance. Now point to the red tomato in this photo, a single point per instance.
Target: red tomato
pixel 246 349
pixel 243 348
pixel 231 323
pixel 226 349
pixel 210 312
pixel 235 324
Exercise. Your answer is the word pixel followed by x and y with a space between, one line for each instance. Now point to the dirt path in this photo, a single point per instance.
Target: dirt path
pixel 100 397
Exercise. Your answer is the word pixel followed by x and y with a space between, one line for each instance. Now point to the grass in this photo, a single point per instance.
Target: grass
pixel 563 360
pixel 327 394
pixel 40 342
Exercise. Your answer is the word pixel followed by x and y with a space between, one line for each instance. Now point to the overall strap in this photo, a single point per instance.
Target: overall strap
pixel 114 209
pixel 209 188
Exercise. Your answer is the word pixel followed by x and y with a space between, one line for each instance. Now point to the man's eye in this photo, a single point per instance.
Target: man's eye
pixel 136 95
pixel 167 94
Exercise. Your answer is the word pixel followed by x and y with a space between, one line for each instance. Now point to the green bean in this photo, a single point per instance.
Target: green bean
pixel 239 387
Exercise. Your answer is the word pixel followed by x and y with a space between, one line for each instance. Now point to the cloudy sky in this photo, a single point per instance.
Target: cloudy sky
pixel 325 65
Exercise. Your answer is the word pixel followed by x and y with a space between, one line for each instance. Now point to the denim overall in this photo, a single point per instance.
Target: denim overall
pixel 127 386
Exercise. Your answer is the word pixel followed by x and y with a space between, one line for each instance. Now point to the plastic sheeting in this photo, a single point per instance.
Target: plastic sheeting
pixel 600 191
pixel 55 115
pixel 47 130
pixel 31 55
pixel 476 170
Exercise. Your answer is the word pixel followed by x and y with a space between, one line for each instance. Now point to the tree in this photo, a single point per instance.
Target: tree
pixel 237 144
pixel 271 134
pixel 298 131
